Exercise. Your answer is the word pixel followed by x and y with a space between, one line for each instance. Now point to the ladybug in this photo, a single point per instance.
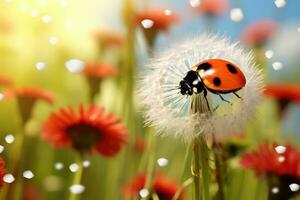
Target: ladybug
pixel 218 76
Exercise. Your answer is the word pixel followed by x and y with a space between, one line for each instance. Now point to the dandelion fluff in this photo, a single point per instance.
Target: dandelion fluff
pixel 185 116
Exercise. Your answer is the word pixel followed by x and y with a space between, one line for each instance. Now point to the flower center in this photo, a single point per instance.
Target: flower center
pixel 83 136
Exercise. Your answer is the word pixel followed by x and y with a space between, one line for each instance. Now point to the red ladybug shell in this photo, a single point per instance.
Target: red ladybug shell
pixel 221 76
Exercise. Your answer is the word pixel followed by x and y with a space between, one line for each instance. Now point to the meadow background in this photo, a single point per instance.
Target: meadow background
pixel 53 32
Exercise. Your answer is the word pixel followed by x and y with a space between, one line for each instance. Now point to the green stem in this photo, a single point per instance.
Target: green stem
pixel 151 161
pixel 196 168
pixel 205 171
pixel 77 177
pixel 17 165
pixel 218 164
pixel 184 185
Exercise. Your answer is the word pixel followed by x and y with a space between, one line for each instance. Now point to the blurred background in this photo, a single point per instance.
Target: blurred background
pixel 47 44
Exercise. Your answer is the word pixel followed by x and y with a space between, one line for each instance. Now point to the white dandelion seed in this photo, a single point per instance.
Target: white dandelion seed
pixel 236 14
pixel 269 54
pixel 74 167
pixel 58 166
pixel 277 66
pixel 178 115
pixel 294 187
pixel 162 162
pixel 147 23
pixel 77 189
pixel 1 148
pixel 144 192
pixel 275 190
pixel 280 3
pixel 9 138
pixel 8 178
pixel 1 96
pixel 28 174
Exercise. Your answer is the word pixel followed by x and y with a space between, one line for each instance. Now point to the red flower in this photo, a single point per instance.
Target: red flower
pixel 161 20
pixel 86 130
pixel 212 7
pixel 5 81
pixel 283 92
pixel 29 93
pixel 100 70
pixel 108 38
pixel 267 160
pixel 2 172
pixel 95 72
pixel 259 32
pixel 162 186
pixel 26 98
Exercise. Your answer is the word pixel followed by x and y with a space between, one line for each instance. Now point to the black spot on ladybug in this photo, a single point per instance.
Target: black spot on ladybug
pixel 204 66
pixel 217 81
pixel 231 68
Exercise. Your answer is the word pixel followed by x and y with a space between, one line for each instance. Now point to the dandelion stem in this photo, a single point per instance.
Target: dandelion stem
pixel 218 164
pixel 200 152
pixel 196 168
pixel 77 176
pixel 205 171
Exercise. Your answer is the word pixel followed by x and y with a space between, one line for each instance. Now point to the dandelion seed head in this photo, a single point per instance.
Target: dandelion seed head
pixel 170 112
pixel 8 178
pixel 28 174
pixel 77 189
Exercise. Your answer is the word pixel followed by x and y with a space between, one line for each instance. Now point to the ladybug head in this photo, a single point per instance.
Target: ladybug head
pixel 185 88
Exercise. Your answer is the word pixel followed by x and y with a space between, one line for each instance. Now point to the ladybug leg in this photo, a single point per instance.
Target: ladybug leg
pixel 238 96
pixel 205 96
pixel 224 99
pixel 216 108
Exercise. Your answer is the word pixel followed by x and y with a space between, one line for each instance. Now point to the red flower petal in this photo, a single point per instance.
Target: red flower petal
pixel 162 21
pixel 283 92
pixel 259 32
pixel 29 92
pixel 86 130
pixel 162 186
pixel 266 160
